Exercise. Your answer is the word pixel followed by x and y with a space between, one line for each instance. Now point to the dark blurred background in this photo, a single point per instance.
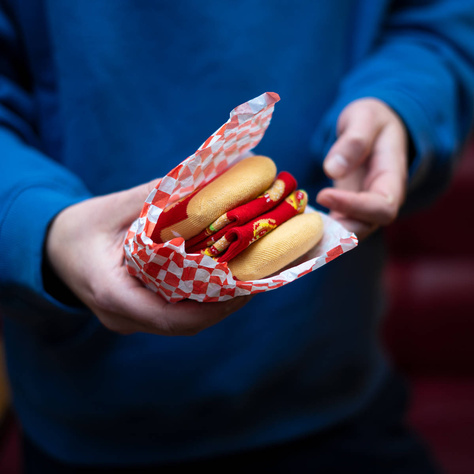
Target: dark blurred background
pixel 428 331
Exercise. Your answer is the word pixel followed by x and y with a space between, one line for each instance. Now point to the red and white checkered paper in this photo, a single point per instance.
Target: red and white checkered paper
pixel 166 268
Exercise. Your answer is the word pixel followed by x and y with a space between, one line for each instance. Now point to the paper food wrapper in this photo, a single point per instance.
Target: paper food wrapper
pixel 167 269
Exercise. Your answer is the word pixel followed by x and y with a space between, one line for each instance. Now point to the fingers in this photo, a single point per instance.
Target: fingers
pixel 381 186
pixel 190 317
pixel 134 308
pixel 388 170
pixel 85 246
pixel 360 229
pixel 381 193
pixel 125 206
pixel 371 188
pixel 365 206
pixel 358 128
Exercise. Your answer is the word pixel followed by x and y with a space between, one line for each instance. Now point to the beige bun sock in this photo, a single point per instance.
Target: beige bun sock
pixel 242 182
pixel 277 249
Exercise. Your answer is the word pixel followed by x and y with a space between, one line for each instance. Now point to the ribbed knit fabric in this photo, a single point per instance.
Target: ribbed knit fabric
pixel 283 185
pixel 239 238
pixel 191 215
pixel 279 248
pixel 97 97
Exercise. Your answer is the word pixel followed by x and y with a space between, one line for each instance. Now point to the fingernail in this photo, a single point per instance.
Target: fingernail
pixel 326 201
pixel 390 199
pixel 336 165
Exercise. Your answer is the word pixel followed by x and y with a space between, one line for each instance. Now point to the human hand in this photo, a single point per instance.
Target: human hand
pixel 369 166
pixel 84 246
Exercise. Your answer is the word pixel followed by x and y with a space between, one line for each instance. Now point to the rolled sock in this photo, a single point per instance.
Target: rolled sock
pixel 239 238
pixel 174 214
pixel 186 217
pixel 283 185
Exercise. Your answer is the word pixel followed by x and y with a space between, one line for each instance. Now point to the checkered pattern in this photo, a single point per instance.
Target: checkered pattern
pixel 166 268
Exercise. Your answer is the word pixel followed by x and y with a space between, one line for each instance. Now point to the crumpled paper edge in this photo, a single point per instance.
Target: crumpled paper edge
pixel 166 269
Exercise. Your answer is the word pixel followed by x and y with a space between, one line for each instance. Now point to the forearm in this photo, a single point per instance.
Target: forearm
pixel 33 190
pixel 33 187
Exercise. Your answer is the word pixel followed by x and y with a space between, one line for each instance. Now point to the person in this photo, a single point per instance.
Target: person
pixel 98 100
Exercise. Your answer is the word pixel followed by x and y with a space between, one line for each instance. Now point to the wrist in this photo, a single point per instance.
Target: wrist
pixel 53 284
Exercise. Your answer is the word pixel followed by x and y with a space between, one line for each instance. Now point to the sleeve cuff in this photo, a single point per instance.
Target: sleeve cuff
pixel 23 231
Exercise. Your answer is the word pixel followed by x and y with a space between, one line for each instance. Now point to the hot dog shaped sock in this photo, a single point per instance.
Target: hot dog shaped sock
pixel 279 248
pixel 187 217
pixel 283 185
pixel 239 238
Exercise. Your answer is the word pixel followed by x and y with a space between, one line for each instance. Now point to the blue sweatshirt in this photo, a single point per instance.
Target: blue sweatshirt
pixel 102 95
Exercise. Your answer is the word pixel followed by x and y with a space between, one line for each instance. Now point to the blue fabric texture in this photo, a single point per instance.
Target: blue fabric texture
pixel 100 96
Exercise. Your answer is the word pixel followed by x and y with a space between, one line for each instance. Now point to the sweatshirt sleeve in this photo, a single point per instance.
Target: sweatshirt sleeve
pixel 423 68
pixel 33 187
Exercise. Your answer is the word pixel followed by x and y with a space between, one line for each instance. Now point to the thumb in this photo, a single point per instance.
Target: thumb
pixel 358 127
pixel 129 203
